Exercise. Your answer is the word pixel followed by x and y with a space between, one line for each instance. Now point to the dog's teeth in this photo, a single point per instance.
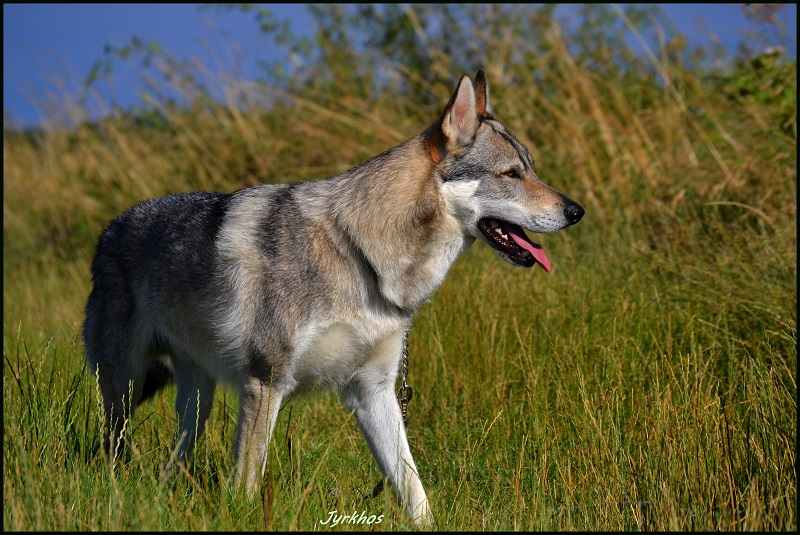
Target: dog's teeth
pixel 496 228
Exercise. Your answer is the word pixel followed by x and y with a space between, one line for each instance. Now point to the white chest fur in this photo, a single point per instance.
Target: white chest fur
pixel 327 353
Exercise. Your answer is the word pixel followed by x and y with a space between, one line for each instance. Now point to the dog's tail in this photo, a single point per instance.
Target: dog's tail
pixel 159 374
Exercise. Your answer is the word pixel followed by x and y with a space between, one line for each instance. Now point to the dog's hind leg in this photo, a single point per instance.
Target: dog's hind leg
pixel 193 404
pixel 116 351
pixel 259 402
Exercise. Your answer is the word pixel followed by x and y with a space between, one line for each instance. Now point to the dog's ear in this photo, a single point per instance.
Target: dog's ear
pixel 482 104
pixel 460 117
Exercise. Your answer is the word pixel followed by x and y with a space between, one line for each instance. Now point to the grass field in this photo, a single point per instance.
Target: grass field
pixel 647 383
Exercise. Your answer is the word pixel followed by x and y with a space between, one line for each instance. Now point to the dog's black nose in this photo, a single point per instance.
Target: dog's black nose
pixel 574 212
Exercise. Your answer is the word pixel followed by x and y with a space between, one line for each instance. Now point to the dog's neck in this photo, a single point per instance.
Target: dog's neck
pixel 393 210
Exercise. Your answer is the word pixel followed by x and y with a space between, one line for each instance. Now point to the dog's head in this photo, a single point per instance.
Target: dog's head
pixel 489 181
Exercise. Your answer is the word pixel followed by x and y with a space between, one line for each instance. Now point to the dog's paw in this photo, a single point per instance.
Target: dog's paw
pixel 421 516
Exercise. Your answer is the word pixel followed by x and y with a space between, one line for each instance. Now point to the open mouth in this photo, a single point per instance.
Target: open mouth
pixel 511 243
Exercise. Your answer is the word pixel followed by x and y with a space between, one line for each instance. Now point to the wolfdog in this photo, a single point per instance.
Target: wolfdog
pixel 284 288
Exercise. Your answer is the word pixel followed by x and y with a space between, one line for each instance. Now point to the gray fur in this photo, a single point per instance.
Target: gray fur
pixel 282 289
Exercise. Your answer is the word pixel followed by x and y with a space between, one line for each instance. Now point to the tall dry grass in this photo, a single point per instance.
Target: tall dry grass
pixel 648 382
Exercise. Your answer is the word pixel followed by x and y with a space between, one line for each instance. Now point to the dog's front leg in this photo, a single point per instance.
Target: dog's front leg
pixel 259 403
pixel 370 393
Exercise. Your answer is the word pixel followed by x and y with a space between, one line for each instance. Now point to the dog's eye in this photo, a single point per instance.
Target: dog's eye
pixel 511 173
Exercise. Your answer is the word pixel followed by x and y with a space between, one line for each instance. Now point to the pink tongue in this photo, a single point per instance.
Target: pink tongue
pixel 534 248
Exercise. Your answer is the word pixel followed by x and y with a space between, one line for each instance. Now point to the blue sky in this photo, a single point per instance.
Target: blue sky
pixel 45 45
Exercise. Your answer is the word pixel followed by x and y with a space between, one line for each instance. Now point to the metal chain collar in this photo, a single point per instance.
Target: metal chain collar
pixel 405 392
